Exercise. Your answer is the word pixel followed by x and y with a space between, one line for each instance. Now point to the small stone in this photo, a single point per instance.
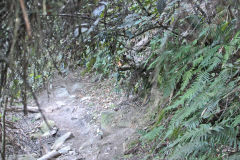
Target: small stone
pixel 65 150
pixel 73 96
pixel 116 109
pixel 35 155
pixel 85 98
pixel 72 153
pixel 99 134
pixel 74 118
pixel 53 132
pixel 38 116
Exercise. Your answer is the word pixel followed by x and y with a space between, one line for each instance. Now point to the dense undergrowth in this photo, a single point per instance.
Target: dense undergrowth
pixel 201 118
pixel 189 52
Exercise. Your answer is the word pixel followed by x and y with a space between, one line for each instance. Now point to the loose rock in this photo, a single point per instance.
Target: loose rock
pixel 38 116
pixel 65 150
pixel 60 141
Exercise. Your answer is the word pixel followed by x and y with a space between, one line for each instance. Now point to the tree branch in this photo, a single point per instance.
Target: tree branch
pixel 25 16
pixel 143 8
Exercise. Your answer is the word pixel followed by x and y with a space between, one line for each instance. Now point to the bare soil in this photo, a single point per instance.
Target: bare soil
pixel 103 122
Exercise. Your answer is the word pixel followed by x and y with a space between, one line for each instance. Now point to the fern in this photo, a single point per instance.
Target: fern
pixel 203 118
pixel 156 132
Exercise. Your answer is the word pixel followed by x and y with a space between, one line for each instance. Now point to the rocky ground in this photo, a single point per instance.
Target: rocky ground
pixel 89 119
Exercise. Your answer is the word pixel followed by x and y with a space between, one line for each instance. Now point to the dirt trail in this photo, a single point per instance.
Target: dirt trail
pixel 101 120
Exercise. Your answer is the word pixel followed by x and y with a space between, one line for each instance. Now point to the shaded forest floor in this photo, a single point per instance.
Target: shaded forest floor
pixel 102 122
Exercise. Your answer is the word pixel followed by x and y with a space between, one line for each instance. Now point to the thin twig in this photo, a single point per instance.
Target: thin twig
pixel 35 99
pixel 201 11
pixel 154 27
pixel 143 8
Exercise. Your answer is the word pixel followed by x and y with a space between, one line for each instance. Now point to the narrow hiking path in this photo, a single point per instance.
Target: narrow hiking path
pixel 102 122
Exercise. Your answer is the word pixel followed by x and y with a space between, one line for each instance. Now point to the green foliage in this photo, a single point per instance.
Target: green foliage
pixel 90 64
pixel 161 115
pixel 15 119
pixel 194 59
pixel 154 133
pixel 203 81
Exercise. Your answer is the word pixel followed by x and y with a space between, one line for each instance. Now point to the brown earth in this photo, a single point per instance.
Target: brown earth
pixel 103 121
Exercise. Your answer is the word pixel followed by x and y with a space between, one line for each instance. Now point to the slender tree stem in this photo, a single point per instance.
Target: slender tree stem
pixel 3 120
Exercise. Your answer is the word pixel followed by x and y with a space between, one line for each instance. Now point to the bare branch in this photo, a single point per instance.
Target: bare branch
pixel 25 16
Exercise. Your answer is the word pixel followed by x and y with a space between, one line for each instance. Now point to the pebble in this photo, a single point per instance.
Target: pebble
pixel 38 116
pixel 72 153
pixel 65 150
